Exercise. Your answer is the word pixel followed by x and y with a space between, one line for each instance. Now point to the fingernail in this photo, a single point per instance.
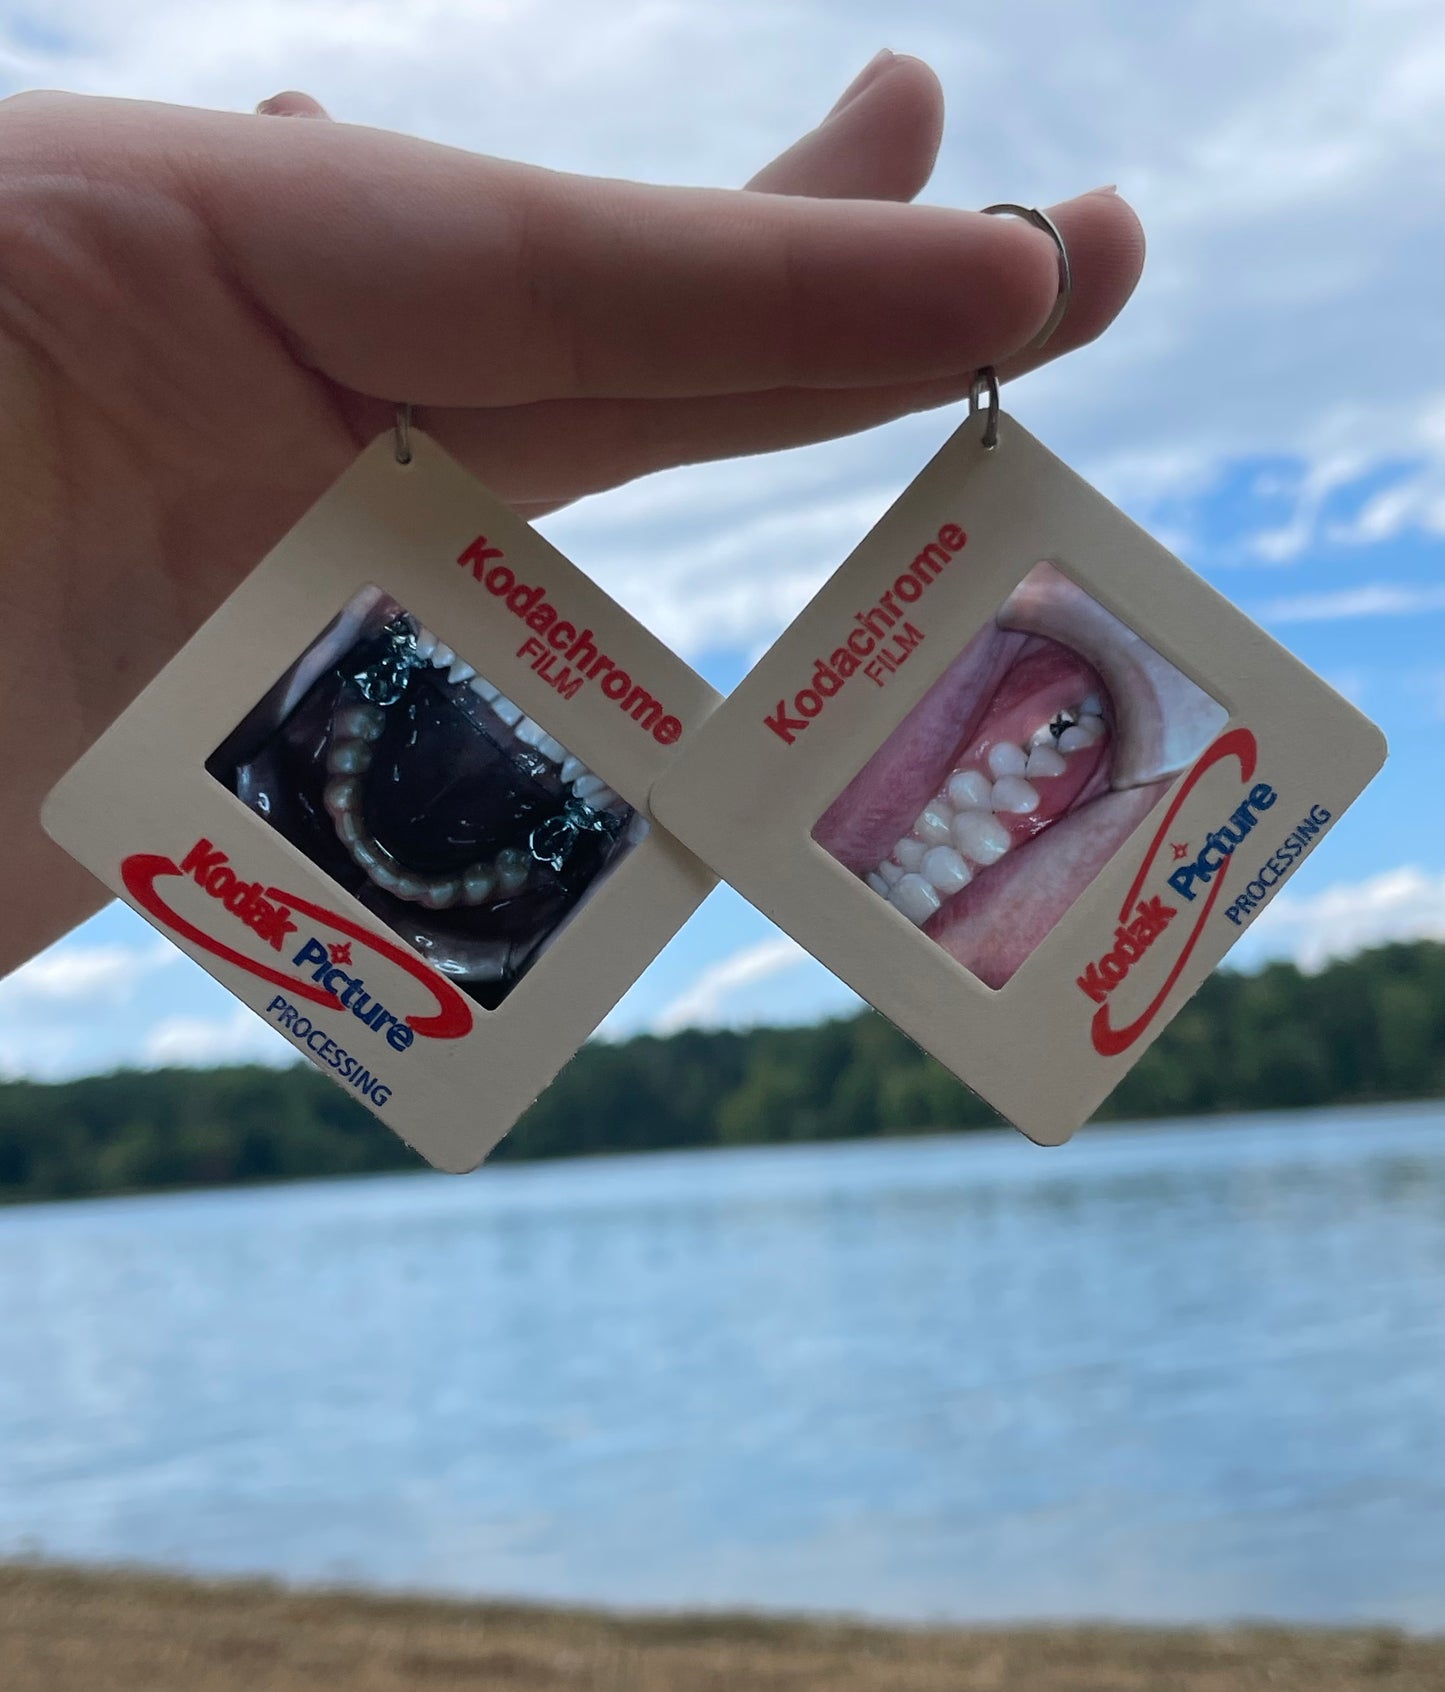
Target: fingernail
pixel 1108 188
pixel 864 79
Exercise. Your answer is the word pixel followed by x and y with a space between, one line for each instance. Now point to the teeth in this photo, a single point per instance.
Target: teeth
pixel 1075 739
pixel 360 722
pixel 1044 761
pixel 510 714
pixel 945 870
pixel 483 688
pixel 586 786
pixel 348 757
pixel 512 870
pixel 1013 793
pixel 572 768
pixel 366 855
pixel 378 871
pixel 1006 759
pixel 933 825
pixel 441 895
pixel 979 835
pixel 604 799
pixel 1093 706
pixel 341 795
pixel 425 643
pixel 1094 724
pixel 535 735
pixel 442 656
pixel 637 828
pixel 969 790
pixel 477 885
pixel 460 671
pixel 915 899
pixel 960 831
pixel 909 852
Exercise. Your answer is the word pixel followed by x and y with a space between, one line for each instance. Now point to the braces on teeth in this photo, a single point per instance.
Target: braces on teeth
pixel 359 721
pixel 958 833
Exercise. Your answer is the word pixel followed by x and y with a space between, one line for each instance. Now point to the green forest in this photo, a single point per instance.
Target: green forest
pixel 1369 1028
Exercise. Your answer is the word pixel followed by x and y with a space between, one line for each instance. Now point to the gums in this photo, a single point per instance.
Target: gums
pixel 417 786
pixel 1019 774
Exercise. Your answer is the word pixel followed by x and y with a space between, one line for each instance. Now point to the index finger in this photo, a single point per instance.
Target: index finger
pixel 397 266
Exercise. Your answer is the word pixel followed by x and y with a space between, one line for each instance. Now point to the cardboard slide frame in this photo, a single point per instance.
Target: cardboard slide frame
pixel 1041 1048
pixel 143 814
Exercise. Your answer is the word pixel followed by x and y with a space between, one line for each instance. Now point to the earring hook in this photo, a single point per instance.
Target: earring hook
pixel 1042 221
pixel 985 381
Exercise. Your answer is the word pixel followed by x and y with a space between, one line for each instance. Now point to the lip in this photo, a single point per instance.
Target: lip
pixel 1048 646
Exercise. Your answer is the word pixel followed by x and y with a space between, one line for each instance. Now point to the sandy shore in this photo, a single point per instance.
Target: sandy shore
pixel 64 1630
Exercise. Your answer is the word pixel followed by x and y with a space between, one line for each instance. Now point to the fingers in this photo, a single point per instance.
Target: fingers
pixel 396 266
pixel 403 268
pixel 879 142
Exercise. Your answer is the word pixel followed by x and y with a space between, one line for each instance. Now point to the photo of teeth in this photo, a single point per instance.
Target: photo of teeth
pixel 414 782
pixel 976 817
pixel 1019 774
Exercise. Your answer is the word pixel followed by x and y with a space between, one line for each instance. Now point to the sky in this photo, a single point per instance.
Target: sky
pixel 1271 404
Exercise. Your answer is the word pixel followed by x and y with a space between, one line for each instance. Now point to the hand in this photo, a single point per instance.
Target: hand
pixel 203 316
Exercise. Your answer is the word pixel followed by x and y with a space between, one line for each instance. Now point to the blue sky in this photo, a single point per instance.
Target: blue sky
pixel 1272 404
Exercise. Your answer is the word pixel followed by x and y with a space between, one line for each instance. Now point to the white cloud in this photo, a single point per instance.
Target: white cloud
pixel 241 1037
pixel 75 976
pixel 705 1003
pixel 1372 599
pixel 1400 904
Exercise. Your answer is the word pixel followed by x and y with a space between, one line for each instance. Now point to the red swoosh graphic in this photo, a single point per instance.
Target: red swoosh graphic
pixel 1234 743
pixel 452 1018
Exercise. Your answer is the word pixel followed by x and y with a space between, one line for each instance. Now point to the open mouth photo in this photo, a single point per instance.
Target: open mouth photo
pixel 1019 774
pixel 416 785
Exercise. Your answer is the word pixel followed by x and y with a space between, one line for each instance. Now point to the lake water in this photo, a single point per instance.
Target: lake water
pixel 1192 1372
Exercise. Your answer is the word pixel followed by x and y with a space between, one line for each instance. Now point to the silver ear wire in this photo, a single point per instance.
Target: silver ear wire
pixel 985 382
pixel 1042 220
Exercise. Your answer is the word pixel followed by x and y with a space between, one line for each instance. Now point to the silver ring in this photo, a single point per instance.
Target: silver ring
pixel 401 434
pixel 1042 220
pixel 985 381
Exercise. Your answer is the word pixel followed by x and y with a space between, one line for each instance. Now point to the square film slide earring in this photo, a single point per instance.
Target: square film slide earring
pixel 1017 775
pixel 393 796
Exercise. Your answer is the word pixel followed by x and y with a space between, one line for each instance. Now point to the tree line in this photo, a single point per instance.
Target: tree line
pixel 1368 1028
